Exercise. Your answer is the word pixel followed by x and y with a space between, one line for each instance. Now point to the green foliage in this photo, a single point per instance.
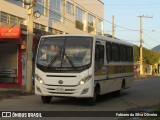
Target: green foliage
pixel 149 56
pixel 136 53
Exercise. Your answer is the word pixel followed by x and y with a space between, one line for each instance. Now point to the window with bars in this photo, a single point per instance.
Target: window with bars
pixel 55 31
pixel 13 19
pixel 4 17
pixel 39 26
pixel 20 20
pixel 7 18
pixel 42 27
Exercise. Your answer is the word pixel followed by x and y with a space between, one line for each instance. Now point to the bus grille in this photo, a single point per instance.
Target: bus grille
pixel 60 93
pixel 65 89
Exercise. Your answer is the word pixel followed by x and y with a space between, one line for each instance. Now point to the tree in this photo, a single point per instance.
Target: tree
pixel 136 53
pixel 149 56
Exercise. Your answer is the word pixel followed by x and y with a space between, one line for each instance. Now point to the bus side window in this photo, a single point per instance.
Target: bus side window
pixel 108 52
pixel 99 56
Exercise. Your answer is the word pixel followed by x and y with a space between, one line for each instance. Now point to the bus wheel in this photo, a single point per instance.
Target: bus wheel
pixel 121 91
pixel 46 99
pixel 92 101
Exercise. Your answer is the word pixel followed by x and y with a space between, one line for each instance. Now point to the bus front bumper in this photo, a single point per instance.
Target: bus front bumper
pixel 77 91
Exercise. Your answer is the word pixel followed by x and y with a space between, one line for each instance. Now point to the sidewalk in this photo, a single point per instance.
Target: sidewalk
pixel 6 93
pixel 144 76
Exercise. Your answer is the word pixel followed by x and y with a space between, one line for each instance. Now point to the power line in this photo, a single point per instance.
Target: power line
pixel 93 14
pixel 114 4
pixel 127 29
pixel 60 16
pixel 135 4
pixel 85 9
pixel 147 45
pixel 105 19
pixel 121 26
pixel 55 13
pixel 151 38
pixel 90 12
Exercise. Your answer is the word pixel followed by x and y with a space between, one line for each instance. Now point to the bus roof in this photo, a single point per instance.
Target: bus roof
pixel 104 38
pixel 113 40
pixel 83 35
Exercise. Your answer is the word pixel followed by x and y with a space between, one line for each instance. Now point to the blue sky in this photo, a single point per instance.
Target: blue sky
pixel 125 15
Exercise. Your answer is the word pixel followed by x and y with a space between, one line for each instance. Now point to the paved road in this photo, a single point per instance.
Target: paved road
pixel 144 93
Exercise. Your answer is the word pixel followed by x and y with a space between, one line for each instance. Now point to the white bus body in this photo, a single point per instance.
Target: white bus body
pixel 82 66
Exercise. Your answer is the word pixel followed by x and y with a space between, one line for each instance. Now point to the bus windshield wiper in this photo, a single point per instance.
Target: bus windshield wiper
pixel 53 60
pixel 70 61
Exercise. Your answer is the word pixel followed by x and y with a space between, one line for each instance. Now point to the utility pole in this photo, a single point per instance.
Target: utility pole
pixel 141 41
pixel 113 26
pixel 30 13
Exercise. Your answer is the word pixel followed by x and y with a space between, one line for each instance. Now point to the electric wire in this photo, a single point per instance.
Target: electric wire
pixel 126 29
pixel 151 37
pixel 147 45
pixel 86 10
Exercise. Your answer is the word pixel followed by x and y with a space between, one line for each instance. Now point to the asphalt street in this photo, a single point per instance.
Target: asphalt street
pixel 144 94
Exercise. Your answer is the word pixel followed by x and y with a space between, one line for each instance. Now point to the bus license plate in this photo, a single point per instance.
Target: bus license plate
pixel 60 89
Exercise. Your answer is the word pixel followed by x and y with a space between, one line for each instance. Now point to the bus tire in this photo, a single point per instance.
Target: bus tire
pixel 46 99
pixel 121 91
pixel 92 101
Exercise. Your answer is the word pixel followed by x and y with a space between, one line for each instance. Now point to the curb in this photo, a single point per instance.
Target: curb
pixel 146 76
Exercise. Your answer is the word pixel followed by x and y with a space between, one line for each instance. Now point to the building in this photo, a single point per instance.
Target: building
pixel 50 17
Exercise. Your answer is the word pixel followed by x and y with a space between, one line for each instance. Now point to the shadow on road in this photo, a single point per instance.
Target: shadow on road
pixel 83 102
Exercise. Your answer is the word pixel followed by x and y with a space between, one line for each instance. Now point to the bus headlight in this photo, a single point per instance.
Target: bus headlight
pixel 84 80
pixel 39 79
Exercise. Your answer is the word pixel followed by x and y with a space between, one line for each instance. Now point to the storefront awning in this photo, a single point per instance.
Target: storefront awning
pixel 10 31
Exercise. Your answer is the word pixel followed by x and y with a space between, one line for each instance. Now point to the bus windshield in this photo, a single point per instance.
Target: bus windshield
pixel 64 53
